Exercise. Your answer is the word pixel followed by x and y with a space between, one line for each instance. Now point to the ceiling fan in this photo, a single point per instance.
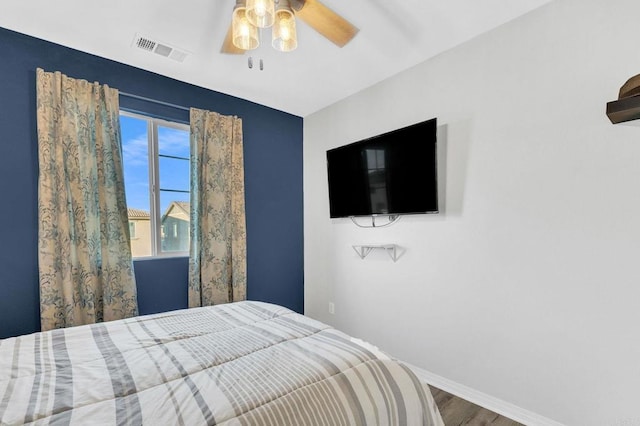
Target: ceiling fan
pixel 249 15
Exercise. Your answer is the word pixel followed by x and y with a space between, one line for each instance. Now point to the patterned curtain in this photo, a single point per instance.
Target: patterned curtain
pixel 218 260
pixel 86 272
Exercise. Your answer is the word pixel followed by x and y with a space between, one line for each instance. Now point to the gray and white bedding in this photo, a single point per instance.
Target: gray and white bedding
pixel 246 363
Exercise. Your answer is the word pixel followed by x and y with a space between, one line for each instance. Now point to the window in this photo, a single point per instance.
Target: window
pixel 132 229
pixel 156 177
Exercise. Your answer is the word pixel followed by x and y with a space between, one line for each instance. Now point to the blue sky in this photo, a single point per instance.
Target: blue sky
pixel 174 173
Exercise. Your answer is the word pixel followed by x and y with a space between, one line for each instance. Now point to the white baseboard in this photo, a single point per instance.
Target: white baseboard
pixel 487 401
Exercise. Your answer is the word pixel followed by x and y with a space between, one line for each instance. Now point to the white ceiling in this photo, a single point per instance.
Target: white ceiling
pixel 394 35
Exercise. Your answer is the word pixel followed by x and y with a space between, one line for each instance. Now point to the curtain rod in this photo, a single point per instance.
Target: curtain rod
pixel 142 98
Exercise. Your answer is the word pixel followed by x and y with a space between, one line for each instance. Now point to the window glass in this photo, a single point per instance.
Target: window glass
pixel 156 174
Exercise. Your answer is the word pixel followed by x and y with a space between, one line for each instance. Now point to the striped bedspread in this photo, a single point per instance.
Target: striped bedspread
pixel 246 363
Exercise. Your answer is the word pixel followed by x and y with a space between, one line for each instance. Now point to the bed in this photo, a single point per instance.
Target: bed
pixel 244 363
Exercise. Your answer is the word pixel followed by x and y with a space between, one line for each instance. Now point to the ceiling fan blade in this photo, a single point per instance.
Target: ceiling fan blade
pixel 325 21
pixel 228 46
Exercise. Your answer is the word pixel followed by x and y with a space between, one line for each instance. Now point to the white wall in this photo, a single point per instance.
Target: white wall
pixel 527 286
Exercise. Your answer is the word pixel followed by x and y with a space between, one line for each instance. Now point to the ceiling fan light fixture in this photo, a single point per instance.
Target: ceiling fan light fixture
pixel 245 35
pixel 284 36
pixel 250 16
pixel 261 13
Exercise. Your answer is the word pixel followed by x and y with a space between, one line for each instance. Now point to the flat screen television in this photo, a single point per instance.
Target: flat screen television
pixel 394 173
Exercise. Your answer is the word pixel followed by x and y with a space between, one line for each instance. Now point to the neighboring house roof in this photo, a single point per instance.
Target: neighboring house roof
pixel 137 214
pixel 184 205
pixel 178 209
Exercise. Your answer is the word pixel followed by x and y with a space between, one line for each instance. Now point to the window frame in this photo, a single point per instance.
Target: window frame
pixel 155 213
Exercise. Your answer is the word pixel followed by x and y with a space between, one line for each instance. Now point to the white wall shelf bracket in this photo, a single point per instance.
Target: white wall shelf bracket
pixel 364 250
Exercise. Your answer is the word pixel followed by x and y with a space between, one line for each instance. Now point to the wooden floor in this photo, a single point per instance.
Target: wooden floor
pixel 456 412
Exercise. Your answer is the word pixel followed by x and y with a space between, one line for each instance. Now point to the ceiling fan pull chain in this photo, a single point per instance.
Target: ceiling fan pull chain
pixel 250 63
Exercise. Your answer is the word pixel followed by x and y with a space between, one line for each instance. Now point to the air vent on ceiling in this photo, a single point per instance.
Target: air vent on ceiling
pixel 162 49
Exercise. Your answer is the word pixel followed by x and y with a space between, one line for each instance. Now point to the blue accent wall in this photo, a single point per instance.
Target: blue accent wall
pixel 273 182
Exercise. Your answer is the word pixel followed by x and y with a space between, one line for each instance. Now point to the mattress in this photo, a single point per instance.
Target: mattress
pixel 245 363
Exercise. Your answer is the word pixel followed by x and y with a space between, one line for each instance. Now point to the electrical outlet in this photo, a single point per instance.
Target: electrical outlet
pixel 332 308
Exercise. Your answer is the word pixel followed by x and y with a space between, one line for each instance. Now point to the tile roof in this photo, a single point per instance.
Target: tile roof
pixel 137 214
pixel 184 205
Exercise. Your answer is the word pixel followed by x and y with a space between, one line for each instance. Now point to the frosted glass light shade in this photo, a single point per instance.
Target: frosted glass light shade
pixel 284 36
pixel 261 12
pixel 245 35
